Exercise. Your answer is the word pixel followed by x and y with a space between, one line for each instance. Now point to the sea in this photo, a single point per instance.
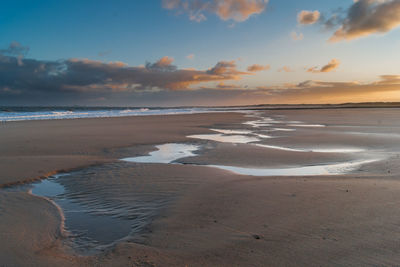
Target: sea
pixel 56 113
pixel 75 112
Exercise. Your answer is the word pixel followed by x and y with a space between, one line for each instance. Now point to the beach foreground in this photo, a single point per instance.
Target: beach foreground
pixel 208 216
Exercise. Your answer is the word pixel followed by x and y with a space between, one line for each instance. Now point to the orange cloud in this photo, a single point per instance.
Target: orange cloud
pixel 237 10
pixel 366 17
pixel 331 66
pixel 334 92
pixel 256 68
pixel 226 68
pixel 222 85
pixel 164 61
pixel 387 88
pixel 306 17
pixel 285 69
pixel 163 64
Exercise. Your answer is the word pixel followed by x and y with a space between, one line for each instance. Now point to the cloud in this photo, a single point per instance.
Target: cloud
pixel 322 84
pixel 389 79
pixel 333 20
pixel 88 82
pixel 257 67
pixel 384 89
pixel 331 66
pixel 366 17
pixel 163 64
pixel 17 50
pixel 236 10
pixel 387 88
pixel 88 77
pixel 306 17
pixel 285 69
pixel 227 68
pixel 222 85
pixel 190 56
pixel 296 36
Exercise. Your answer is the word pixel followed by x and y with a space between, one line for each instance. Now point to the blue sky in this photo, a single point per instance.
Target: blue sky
pixel 136 32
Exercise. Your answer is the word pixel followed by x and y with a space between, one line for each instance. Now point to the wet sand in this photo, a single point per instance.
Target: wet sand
pixel 210 217
pixel 44 147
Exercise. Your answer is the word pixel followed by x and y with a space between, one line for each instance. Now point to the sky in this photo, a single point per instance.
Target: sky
pixel 198 52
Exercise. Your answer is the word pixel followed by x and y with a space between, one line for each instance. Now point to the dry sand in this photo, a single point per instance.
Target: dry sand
pixel 214 217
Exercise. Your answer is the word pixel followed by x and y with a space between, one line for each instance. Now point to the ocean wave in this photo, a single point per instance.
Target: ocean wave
pixel 97 113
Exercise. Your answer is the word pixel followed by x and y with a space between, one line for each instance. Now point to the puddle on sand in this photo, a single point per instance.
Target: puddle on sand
pixel 93 218
pixel 94 221
pixel 281 148
pixel 264 136
pixel 338 150
pixel 329 169
pixel 240 132
pixel 226 131
pixel 166 153
pixel 307 125
pixel 259 123
pixel 48 188
pixel 88 232
pixel 238 139
pixel 282 129
pixel 318 150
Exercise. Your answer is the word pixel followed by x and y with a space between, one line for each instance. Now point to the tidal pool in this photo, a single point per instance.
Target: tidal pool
pixel 328 169
pixel 226 131
pixel 318 150
pixel 238 139
pixel 88 230
pixel 166 153
pixel 307 125
pixel 321 169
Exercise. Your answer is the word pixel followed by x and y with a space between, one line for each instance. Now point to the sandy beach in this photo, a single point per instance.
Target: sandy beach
pixel 196 215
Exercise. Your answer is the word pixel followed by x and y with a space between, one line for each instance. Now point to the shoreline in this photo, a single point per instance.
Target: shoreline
pixel 65 113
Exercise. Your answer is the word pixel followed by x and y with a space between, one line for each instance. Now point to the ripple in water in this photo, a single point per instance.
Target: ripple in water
pixel 102 205
pixel 89 230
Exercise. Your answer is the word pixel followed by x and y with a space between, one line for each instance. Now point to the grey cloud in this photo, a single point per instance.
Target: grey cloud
pixel 15 49
pixel 366 17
